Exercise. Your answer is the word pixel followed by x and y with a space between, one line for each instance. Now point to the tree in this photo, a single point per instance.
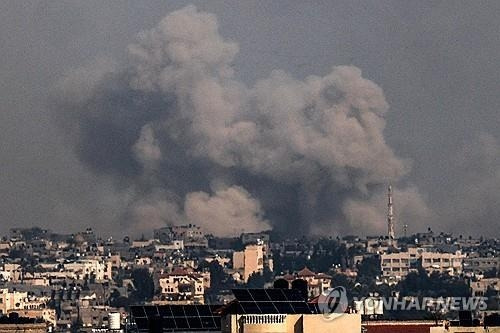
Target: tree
pixel 433 285
pixel 144 285
pixel 256 280
pixel 368 270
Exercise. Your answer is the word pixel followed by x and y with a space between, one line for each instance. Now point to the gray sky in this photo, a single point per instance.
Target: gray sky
pixel 437 63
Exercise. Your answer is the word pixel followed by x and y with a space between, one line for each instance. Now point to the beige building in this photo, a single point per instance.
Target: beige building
pixel 25 328
pixel 47 315
pixel 101 270
pixel 249 261
pixel 450 263
pixel 395 265
pixel 14 270
pixel 183 286
pixel 481 265
pixel 316 282
pixel 11 300
pixel 291 323
pixel 398 265
pixel 25 306
pixel 479 288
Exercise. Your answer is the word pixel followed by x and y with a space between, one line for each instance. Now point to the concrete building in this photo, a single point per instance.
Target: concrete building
pixel 316 282
pixel 183 286
pixel 11 300
pixel 480 265
pixel 450 263
pixel 87 268
pixel 397 265
pixel 290 323
pixel 479 288
pixel 249 261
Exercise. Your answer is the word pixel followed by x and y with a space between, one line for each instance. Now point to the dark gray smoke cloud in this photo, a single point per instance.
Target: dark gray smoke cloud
pixel 436 62
pixel 185 141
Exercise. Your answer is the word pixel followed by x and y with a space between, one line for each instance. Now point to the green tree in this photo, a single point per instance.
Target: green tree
pixel 256 280
pixel 144 285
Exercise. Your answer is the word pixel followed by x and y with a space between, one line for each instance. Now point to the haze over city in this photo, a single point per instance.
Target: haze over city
pixel 129 116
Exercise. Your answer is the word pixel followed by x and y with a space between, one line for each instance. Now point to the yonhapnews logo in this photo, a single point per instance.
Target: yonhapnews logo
pixel 333 302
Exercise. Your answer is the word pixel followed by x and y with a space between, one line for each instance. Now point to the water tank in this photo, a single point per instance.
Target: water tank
pixel 114 321
pixel 280 284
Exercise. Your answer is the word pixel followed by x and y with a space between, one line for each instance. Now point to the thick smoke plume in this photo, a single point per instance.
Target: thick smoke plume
pixel 173 124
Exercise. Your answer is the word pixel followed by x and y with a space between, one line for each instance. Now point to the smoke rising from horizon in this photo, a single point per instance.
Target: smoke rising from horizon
pixel 186 142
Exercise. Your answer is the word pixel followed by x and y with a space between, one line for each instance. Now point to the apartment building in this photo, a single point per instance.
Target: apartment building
pixel 249 261
pixel 183 286
pixel 450 263
pixel 398 265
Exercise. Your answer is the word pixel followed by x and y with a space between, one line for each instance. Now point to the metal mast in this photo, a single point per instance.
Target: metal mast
pixel 390 216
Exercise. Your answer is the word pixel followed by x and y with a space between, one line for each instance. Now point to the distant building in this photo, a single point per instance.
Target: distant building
pixel 480 287
pixel 254 238
pixel 397 265
pixel 480 265
pixel 183 286
pixel 249 261
pixel 317 283
pixel 450 263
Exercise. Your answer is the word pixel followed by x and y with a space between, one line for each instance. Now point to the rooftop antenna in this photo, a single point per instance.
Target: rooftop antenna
pixel 390 216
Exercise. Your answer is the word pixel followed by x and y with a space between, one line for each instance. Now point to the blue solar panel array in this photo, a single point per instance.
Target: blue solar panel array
pixel 173 318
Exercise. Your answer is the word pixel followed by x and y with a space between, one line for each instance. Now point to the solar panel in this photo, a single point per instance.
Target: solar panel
pixel 138 312
pixel 270 301
pixel 300 307
pixel 259 295
pixel 209 322
pixel 181 322
pixel 313 307
pixel 293 295
pixel 190 311
pixel 165 311
pixel 250 308
pixel 267 307
pixel 142 323
pixel 177 310
pixel 151 311
pixel 242 295
pixel 284 308
pixel 276 295
pixel 204 310
pixel 174 318
pixel 168 323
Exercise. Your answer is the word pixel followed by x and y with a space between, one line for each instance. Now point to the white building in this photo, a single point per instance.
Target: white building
pixel 183 286
pixel 395 266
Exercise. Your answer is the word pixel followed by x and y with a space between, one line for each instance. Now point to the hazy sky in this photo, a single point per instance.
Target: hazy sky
pixel 436 63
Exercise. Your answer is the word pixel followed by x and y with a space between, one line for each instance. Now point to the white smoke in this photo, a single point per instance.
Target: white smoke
pixel 147 149
pixel 228 212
